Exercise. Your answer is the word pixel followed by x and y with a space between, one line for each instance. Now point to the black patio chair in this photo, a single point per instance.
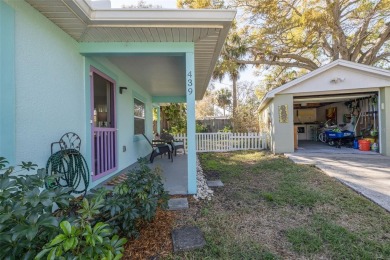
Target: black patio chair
pixel 176 144
pixel 159 149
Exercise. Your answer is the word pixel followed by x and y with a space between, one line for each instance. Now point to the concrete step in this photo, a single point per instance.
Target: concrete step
pixel 187 238
pixel 178 204
pixel 216 183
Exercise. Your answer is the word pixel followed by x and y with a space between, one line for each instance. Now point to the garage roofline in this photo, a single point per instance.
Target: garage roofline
pixel 349 64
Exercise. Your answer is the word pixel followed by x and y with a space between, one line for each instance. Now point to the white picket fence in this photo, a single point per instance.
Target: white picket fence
pixel 224 142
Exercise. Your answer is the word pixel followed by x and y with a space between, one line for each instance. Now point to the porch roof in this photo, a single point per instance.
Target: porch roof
pixel 207 29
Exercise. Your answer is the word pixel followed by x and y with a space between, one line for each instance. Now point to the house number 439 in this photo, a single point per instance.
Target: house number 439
pixel 189 83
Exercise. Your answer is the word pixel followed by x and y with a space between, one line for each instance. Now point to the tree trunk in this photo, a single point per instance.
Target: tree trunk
pixel 234 79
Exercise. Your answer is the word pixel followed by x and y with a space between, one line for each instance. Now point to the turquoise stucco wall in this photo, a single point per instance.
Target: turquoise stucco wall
pixel 52 91
pixel 48 85
pixel 7 83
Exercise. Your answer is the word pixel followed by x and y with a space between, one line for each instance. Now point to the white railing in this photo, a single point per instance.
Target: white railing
pixel 223 142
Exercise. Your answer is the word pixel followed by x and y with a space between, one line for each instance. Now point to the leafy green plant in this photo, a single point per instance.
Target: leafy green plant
pixel 201 128
pixel 175 117
pixel 134 200
pixel 26 220
pixel 227 129
pixel 82 240
pixel 30 214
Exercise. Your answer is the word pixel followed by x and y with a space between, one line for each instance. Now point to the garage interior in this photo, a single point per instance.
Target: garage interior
pixel 336 123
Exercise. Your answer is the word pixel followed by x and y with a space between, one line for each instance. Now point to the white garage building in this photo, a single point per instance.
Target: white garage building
pixel 343 92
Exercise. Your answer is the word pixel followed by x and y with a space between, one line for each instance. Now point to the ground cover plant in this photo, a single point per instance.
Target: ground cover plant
pixel 26 220
pixel 50 223
pixel 271 208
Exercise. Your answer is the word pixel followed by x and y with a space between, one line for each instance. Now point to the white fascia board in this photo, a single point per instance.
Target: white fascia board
pixel 363 67
pixel 348 64
pixel 264 102
pixel 150 16
pixel 165 15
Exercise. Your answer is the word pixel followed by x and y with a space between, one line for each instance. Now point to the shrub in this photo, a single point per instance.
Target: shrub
pixel 78 229
pixel 226 129
pixel 134 200
pixel 201 128
pixel 26 220
pixel 81 240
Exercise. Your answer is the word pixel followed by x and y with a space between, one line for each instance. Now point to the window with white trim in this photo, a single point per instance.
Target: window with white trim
pixel 139 117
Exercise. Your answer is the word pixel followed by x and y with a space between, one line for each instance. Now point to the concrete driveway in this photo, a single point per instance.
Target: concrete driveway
pixel 368 174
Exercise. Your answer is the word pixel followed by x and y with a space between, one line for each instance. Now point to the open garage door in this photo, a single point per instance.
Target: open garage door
pixel 338 123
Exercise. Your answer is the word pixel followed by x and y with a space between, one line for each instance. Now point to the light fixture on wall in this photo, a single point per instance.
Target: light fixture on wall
pixel 337 80
pixel 121 89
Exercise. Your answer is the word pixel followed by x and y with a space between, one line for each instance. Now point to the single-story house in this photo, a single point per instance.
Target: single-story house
pixel 341 92
pixel 68 67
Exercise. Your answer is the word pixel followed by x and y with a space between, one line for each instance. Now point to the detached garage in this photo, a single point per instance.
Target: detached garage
pixel 330 107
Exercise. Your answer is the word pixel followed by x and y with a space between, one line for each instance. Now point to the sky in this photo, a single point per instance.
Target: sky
pixel 163 3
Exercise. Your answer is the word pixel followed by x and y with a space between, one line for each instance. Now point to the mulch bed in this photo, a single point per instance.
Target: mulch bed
pixel 155 238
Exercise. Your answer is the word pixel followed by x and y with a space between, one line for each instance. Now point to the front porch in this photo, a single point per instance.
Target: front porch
pixel 174 173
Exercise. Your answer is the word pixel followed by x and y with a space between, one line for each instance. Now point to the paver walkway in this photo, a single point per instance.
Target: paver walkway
pixel 368 174
pixel 187 238
pixel 178 204
pixel 216 183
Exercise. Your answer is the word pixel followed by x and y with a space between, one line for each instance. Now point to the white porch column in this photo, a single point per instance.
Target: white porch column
pixel 190 97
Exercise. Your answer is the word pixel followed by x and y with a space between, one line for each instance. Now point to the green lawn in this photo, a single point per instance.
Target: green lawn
pixel 271 208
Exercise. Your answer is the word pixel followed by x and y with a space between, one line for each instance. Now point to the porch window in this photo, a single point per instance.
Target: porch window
pixel 139 117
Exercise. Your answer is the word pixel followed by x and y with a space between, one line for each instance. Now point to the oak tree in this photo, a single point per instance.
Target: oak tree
pixel 306 34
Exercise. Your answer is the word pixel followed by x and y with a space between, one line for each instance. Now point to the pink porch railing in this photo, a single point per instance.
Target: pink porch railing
pixel 104 151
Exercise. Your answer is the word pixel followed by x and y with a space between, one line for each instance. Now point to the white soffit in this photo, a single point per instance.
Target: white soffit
pixel 206 28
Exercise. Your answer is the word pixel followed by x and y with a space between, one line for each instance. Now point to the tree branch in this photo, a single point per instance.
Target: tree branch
pixel 278 63
pixel 383 56
pixel 327 47
pixel 276 56
pixel 335 8
pixel 292 7
pixel 385 35
pixel 362 34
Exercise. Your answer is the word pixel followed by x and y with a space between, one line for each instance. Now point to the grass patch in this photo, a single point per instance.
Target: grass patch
pixel 325 235
pixel 271 208
pixel 304 241
pixel 223 243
